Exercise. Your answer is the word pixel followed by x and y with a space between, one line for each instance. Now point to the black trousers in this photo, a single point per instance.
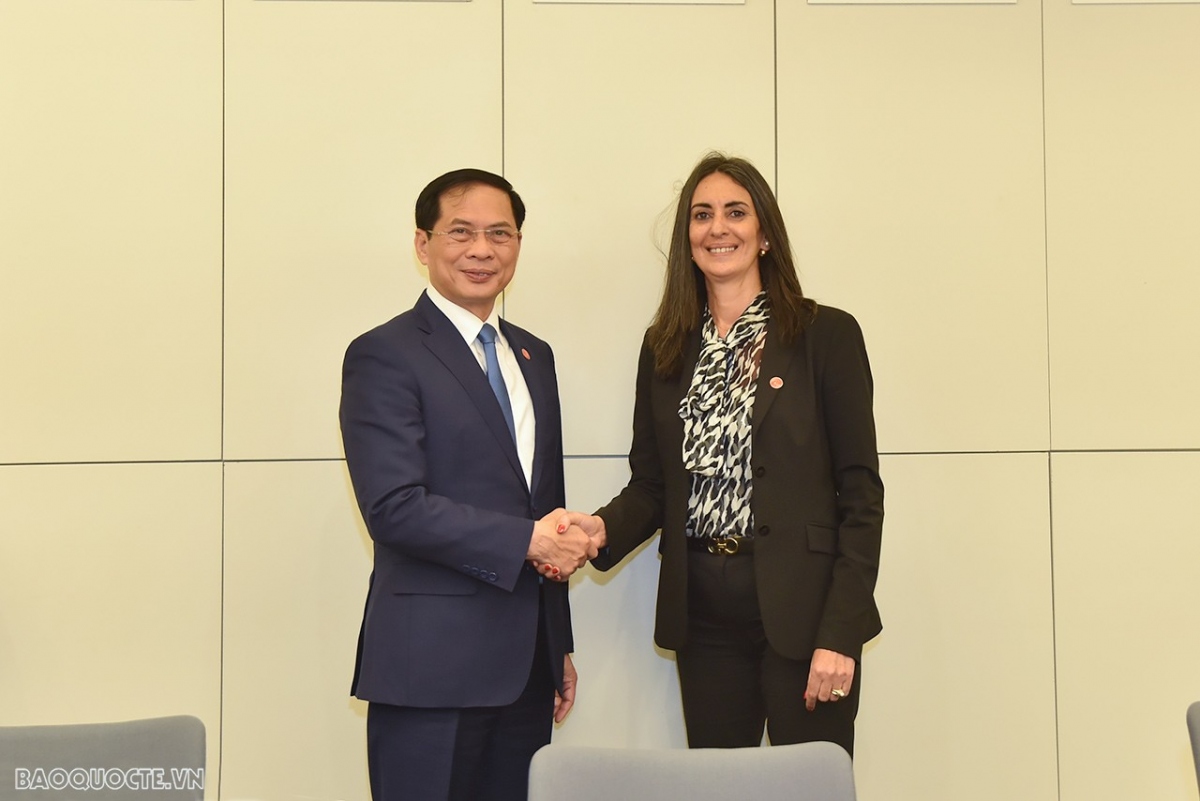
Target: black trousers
pixel 471 754
pixel 733 682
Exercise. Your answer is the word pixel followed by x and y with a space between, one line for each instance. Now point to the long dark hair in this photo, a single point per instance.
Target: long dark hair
pixel 685 295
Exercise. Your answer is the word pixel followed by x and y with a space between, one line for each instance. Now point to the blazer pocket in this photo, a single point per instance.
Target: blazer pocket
pixel 822 539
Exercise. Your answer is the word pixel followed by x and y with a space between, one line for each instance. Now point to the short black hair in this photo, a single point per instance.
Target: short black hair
pixel 429 202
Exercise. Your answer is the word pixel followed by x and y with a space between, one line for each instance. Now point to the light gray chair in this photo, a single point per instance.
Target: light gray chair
pixel 804 772
pixel 159 759
pixel 1193 720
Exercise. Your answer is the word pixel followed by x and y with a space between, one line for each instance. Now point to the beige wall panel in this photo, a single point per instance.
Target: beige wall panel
pixel 1127 607
pixel 110 230
pixel 628 687
pixel 110 595
pixel 607 109
pixel 910 168
pixel 337 115
pixel 1123 199
pixel 958 693
pixel 297 559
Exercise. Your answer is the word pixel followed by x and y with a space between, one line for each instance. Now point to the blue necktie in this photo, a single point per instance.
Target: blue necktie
pixel 487 336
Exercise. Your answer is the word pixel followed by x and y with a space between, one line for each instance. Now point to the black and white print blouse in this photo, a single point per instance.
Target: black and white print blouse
pixel 717 412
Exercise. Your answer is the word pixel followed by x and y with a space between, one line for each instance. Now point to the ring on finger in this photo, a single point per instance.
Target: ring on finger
pixel 838 692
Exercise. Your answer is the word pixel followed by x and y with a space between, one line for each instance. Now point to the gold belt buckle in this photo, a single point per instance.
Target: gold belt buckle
pixel 725 546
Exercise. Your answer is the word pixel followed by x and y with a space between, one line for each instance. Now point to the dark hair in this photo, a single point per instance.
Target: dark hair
pixel 429 202
pixel 685 294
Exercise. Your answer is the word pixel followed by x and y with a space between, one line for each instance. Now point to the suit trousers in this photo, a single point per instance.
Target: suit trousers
pixel 470 754
pixel 732 681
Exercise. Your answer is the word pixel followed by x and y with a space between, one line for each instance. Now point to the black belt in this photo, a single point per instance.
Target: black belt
pixel 722 546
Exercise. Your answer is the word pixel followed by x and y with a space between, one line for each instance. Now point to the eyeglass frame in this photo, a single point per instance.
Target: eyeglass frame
pixel 487 234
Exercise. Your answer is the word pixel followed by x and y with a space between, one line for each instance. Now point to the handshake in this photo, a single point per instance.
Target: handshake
pixel 563 541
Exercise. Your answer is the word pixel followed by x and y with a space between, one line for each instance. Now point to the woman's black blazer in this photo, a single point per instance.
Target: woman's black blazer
pixel 817 497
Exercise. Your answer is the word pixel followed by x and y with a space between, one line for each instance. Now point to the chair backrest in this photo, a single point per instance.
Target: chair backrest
pixel 1193 720
pixel 160 759
pixel 803 772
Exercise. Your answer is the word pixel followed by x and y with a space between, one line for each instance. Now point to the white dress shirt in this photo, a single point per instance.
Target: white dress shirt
pixel 469 326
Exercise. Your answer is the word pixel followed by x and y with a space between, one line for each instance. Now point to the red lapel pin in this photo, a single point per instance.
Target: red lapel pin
pixel 776 382
pixel 525 353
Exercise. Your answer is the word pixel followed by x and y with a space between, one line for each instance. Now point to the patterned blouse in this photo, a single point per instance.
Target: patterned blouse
pixel 717 412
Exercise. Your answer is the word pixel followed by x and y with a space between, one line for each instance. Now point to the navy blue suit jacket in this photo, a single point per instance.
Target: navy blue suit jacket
pixel 452 609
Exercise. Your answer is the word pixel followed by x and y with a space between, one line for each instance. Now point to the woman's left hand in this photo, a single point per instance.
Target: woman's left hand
pixel 830 677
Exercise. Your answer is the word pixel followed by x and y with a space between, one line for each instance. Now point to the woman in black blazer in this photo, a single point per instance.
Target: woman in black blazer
pixel 754 452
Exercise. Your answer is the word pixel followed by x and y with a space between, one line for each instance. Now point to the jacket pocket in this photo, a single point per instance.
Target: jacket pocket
pixel 822 539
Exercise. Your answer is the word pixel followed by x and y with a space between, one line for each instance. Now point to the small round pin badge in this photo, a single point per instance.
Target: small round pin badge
pixel 776 382
pixel 525 353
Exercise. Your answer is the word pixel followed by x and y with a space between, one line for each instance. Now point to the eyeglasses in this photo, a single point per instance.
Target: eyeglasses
pixel 497 236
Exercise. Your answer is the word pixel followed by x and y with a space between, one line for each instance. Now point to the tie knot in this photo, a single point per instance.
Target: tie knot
pixel 487 334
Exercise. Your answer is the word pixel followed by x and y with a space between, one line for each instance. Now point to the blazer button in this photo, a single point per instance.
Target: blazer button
pixel 764 531
pixel 760 471
pixel 491 576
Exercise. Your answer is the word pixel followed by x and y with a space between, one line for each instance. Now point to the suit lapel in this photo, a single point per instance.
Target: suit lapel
pixel 542 393
pixel 691 354
pixel 445 342
pixel 775 360
pixel 672 393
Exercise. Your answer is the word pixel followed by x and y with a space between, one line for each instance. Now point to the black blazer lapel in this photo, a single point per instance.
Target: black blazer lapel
pixel 691 354
pixel 775 361
pixel 676 390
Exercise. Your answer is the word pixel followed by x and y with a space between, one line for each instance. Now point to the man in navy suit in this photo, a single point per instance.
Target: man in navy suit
pixel 453 437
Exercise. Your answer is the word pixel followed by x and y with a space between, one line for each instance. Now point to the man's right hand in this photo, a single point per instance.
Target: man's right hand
pixel 558 555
